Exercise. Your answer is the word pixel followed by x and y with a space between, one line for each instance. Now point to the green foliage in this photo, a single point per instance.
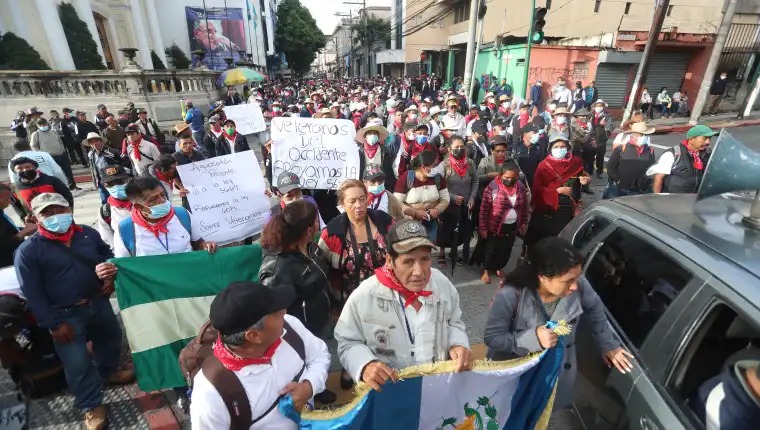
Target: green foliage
pixel 156 60
pixel 177 57
pixel 377 30
pixel 298 35
pixel 83 48
pixel 17 54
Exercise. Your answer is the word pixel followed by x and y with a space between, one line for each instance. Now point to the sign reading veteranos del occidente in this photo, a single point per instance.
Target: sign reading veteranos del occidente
pixel 322 152
pixel 226 197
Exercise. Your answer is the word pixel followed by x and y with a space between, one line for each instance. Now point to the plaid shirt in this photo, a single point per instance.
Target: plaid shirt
pixel 495 206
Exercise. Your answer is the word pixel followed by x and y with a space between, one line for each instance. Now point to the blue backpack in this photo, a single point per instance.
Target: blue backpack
pixel 127 228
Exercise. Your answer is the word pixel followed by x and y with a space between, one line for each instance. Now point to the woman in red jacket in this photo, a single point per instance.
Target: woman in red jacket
pixel 556 190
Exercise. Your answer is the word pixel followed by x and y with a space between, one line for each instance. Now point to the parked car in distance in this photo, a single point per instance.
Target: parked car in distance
pixel 680 280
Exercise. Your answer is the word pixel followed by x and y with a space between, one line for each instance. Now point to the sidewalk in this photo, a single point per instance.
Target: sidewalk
pixel 681 124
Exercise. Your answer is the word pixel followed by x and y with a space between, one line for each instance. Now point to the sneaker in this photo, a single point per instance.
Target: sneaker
pixel 485 277
pixel 96 419
pixel 74 188
pixel 121 377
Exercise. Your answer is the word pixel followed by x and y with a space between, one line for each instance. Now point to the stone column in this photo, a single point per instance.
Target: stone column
pixel 17 20
pixel 141 34
pixel 85 14
pixel 56 38
pixel 155 30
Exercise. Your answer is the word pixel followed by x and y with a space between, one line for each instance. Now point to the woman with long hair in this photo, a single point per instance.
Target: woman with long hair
pixel 547 286
pixel 292 259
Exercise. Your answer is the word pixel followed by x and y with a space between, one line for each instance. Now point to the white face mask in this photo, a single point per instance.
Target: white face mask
pixel 560 120
pixel 598 109
pixel 505 105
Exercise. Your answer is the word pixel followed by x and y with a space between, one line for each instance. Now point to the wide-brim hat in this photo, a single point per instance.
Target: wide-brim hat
pixel 600 102
pixel 641 128
pixel 382 131
pixel 582 112
pixel 323 113
pixel 435 110
pixel 561 110
pixel 181 126
pixel 412 108
pixel 92 135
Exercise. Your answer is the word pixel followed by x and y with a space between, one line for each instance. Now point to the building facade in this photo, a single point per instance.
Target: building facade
pixel 148 25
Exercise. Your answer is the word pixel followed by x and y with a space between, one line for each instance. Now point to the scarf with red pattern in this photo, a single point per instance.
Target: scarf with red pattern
pixel 696 160
pixel 162 177
pixel 136 148
pixel 371 150
pixel 388 279
pixel 232 362
pixel 230 137
pixel 524 119
pixel 121 204
pixel 59 237
pixel 460 166
pixel 156 227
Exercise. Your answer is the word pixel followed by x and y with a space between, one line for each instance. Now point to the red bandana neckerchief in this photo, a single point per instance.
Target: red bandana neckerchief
pixel 156 227
pixel 460 166
pixel 63 237
pixel 160 175
pixel 388 279
pixel 121 204
pixel 371 150
pixel 232 362
pixel 524 118
pixel 230 137
pixel 696 161
pixel 136 149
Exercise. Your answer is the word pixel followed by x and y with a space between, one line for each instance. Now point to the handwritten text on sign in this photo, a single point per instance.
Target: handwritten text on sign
pixel 226 197
pixel 322 152
pixel 248 118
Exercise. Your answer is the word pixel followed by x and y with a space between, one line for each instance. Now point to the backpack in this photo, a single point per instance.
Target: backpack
pixel 198 354
pixel 127 228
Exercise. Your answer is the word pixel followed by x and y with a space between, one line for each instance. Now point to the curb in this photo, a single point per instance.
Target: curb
pixel 155 408
pixel 683 128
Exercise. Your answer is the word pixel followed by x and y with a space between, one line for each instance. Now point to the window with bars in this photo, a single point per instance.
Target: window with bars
pixel 462 11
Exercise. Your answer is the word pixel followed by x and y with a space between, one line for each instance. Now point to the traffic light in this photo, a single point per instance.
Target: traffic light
pixel 537 32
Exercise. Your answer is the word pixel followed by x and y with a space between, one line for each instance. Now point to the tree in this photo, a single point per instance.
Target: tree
pixel 17 54
pixel 377 30
pixel 177 57
pixel 298 35
pixel 157 63
pixel 83 48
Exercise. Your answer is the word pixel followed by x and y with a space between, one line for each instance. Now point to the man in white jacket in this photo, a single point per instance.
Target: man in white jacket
pixel 407 314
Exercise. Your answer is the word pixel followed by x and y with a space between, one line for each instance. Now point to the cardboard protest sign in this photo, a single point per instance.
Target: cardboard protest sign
pixel 322 152
pixel 248 118
pixel 226 197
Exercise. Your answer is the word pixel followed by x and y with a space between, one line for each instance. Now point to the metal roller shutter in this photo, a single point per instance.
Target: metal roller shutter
pixel 612 83
pixel 668 69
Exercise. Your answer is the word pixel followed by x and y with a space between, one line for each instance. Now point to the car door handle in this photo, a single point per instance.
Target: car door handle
pixel 647 424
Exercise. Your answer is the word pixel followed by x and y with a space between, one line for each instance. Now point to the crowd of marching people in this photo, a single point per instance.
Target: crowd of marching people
pixel 437 172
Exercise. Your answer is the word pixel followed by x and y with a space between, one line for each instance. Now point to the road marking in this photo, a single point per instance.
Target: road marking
pixel 659 146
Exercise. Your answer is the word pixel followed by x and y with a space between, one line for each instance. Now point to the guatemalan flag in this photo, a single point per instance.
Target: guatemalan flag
pixel 515 394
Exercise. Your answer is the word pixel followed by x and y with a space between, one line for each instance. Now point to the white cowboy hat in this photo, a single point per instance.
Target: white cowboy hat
pixel 600 102
pixel 411 108
pixel 435 110
pixel 378 128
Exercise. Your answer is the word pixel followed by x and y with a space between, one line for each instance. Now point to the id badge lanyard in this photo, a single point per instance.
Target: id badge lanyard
pixel 406 320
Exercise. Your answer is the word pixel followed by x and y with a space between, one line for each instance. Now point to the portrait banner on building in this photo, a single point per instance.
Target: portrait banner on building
pixel 218 32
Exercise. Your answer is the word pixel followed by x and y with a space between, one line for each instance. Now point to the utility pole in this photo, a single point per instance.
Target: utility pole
pixel 475 63
pixel 366 40
pixel 470 57
pixel 646 57
pixel 712 65
pixel 528 44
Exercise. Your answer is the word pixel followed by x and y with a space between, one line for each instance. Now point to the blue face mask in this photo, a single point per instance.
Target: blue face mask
pixel 421 140
pixel 58 223
pixel 160 210
pixel 377 189
pixel 534 139
pixel 118 191
pixel 559 152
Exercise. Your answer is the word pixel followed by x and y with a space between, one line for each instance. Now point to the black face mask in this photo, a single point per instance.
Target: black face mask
pixel 28 175
pixel 508 182
pixel 457 152
pixel 481 139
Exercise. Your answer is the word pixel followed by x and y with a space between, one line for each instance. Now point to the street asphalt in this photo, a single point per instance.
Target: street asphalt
pixel 475 296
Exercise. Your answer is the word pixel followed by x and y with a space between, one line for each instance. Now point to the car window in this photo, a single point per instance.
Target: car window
pixel 720 340
pixel 592 227
pixel 636 282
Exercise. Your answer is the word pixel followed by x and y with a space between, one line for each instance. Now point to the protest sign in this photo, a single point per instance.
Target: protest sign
pixel 248 118
pixel 226 197
pixel 322 152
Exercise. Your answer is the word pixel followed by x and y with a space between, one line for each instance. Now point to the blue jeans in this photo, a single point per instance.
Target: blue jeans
pixel 665 110
pixel 95 322
pixel 432 229
pixel 198 137
pixel 103 193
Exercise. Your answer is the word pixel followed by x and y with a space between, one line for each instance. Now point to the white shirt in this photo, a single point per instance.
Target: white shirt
pixel 262 383
pixel 231 144
pixel 146 148
pixel 146 243
pixel 383 202
pixel 563 95
pixel 105 229
pixel 664 164
pixel 9 282
pixel 511 217
pixel 422 332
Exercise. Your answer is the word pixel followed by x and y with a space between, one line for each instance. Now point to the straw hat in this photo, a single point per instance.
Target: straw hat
pixel 378 128
pixel 641 128
pixel 561 110
pixel 411 108
pixel 435 110
pixel 323 113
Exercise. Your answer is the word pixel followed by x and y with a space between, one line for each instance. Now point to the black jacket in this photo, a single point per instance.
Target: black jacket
pixel 209 143
pixel 308 276
pixel 223 148
pixel 8 242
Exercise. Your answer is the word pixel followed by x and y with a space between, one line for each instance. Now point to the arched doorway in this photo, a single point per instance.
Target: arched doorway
pixel 100 24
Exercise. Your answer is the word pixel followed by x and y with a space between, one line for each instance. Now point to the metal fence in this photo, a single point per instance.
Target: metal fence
pixel 740 55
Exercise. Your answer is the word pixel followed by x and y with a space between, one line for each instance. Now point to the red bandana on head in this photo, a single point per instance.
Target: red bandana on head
pixel 234 363
pixel 388 279
pixel 63 237
pixel 156 227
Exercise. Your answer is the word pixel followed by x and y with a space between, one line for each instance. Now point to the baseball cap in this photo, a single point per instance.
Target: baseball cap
pixel 406 236
pixel 243 304
pixel 101 106
pixel 44 200
pixel 373 172
pixel 558 136
pixel 132 128
pixel 288 181
pixel 700 130
pixel 113 173
pixel 213 119
pixel 529 127
pixel 67 110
